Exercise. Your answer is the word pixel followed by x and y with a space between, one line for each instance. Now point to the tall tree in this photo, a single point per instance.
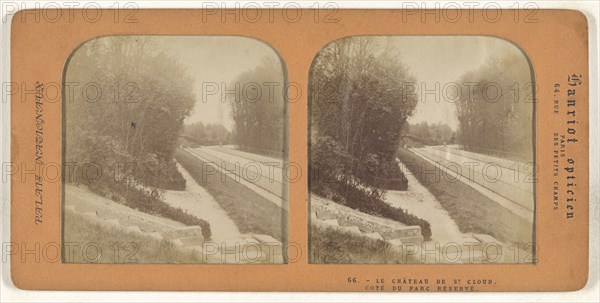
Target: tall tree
pixel 358 108
pixel 128 102
pixel 258 107
pixel 497 114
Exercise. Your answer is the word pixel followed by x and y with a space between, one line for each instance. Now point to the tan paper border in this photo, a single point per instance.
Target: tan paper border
pixel 557 46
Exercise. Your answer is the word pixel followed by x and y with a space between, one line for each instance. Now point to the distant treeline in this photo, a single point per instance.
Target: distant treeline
pixel 430 134
pixel 497 117
pixel 209 134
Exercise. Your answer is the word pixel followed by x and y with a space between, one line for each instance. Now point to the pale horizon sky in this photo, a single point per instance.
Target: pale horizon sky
pixel 443 60
pixel 218 60
pixel 214 61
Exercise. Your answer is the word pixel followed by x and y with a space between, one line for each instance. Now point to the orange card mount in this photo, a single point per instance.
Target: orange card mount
pixel 350 150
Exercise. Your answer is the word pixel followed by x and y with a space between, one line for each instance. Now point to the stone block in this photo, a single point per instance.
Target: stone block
pixel 156 235
pixel 271 248
pixel 375 236
pixel 325 215
pixel 133 229
pixel 331 222
pixel 352 229
pixel 188 231
pixel 177 242
pixel 485 238
pixel 90 214
pixel 313 218
pixel 191 241
pixel 112 222
pixel 395 242
pixel 412 240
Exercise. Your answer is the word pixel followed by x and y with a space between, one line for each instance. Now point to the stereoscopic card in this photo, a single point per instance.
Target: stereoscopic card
pixel 299 150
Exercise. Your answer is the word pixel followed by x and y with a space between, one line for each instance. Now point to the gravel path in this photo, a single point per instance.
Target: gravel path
pixel 420 202
pixel 197 201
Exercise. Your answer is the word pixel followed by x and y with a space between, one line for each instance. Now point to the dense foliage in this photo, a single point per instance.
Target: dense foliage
pixel 496 116
pixel 209 134
pixel 357 109
pixel 150 201
pixel 258 109
pixel 431 134
pixel 125 107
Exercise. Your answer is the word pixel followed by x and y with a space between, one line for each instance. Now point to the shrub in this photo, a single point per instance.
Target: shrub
pixel 330 245
pixel 150 202
pixel 366 202
pixel 393 178
pixel 160 172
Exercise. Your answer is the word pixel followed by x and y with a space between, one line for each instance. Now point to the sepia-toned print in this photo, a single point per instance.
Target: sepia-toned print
pixel 176 146
pixel 421 150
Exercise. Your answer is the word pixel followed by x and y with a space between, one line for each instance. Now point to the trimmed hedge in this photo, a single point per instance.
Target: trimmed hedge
pixel 151 202
pixel 361 200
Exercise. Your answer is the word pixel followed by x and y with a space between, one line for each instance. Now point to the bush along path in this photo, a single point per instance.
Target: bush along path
pixel 196 201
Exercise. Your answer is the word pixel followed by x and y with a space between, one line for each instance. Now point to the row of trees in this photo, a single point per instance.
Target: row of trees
pixel 258 109
pixel 209 134
pixel 431 134
pixel 127 105
pixel 497 115
pixel 358 108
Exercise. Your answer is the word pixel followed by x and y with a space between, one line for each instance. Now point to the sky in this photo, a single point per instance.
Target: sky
pixel 212 62
pixel 443 60
pixel 431 60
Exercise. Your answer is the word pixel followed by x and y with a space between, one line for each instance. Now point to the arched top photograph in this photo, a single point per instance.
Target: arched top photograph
pixel 179 142
pixel 424 140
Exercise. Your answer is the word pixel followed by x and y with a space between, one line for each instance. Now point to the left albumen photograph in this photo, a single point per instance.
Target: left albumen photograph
pixel 175 149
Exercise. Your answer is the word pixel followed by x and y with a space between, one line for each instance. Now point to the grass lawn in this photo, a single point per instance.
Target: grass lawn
pixel 251 212
pixel 332 246
pixel 89 242
pixel 470 209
